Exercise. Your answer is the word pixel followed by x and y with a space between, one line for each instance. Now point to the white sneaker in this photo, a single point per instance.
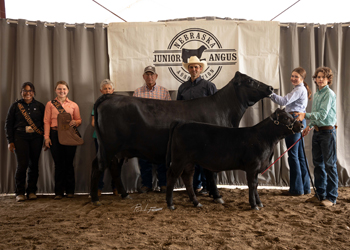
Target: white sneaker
pixel 327 203
pixel 20 198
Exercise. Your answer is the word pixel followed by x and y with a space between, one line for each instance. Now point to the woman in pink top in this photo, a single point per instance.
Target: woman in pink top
pixel 62 155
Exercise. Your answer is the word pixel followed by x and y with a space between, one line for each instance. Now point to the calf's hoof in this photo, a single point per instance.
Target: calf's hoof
pixel 255 208
pixel 172 207
pixel 260 205
pixel 219 200
pixel 198 205
pixel 128 197
pixel 97 203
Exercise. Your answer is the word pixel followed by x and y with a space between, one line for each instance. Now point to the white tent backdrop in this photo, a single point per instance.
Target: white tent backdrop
pixel 84 11
pixel 44 54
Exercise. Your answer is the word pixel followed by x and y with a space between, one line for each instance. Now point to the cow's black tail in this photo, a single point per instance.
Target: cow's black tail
pixel 168 154
pixel 101 156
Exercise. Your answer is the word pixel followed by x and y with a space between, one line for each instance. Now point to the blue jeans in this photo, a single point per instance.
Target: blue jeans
pixel 324 154
pixel 298 175
pixel 146 173
pixel 199 178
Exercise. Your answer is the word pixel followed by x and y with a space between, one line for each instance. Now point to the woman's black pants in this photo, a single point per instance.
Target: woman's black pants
pixel 63 157
pixel 28 147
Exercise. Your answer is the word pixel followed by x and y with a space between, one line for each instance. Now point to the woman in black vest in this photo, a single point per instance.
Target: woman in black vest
pixel 24 132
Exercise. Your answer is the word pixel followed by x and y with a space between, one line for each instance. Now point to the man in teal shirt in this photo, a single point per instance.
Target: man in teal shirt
pixel 324 146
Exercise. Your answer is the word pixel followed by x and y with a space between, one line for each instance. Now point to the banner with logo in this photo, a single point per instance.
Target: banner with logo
pixel 251 47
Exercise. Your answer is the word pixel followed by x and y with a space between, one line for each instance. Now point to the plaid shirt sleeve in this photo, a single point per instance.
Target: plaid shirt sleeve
pixel 164 94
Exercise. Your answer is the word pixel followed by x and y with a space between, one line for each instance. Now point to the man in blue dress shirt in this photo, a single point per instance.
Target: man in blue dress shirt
pixel 196 87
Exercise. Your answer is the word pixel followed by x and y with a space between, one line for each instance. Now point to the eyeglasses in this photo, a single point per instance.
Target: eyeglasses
pixel 27 91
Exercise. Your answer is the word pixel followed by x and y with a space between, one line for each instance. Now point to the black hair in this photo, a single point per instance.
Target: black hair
pixel 31 85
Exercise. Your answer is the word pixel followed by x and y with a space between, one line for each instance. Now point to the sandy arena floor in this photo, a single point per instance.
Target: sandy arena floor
pixel 145 222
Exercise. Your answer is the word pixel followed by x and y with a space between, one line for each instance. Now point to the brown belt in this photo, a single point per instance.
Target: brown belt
pixel 53 128
pixel 292 113
pixel 323 128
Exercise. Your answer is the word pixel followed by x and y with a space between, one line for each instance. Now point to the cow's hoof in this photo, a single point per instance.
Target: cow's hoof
pixel 199 205
pixel 171 207
pixel 97 203
pixel 219 200
pixel 260 205
pixel 128 197
pixel 255 208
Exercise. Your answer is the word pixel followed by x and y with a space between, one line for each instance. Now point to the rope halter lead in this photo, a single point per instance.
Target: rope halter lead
pixel 302 143
pixel 290 126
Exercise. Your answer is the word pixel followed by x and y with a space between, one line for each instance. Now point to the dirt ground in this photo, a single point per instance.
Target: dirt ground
pixel 144 222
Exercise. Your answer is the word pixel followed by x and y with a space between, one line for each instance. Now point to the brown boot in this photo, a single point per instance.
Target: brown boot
pixel 32 196
pixel 313 199
pixel 115 191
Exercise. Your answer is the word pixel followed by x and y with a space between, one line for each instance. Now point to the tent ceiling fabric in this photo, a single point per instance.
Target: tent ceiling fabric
pixel 82 11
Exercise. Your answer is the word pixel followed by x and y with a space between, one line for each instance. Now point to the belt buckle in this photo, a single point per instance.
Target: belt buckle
pixel 316 128
pixel 29 129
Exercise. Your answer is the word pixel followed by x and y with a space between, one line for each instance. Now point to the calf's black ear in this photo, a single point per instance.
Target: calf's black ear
pixel 274 114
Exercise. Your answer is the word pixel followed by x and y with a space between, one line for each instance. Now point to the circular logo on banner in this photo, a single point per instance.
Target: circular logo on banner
pixel 194 42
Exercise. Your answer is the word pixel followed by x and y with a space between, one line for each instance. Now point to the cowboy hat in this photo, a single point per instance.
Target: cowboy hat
pixel 195 60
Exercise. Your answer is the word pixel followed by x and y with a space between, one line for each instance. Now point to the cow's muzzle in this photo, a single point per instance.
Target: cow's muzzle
pixel 296 126
pixel 270 90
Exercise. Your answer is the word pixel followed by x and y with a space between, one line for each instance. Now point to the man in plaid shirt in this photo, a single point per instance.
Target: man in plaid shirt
pixel 152 91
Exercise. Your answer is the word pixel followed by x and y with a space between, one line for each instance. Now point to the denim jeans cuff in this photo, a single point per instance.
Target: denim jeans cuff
pixel 332 200
pixel 307 192
pixel 296 192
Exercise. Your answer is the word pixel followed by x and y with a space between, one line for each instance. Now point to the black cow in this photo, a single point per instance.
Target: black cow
pixel 187 53
pixel 129 127
pixel 220 148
